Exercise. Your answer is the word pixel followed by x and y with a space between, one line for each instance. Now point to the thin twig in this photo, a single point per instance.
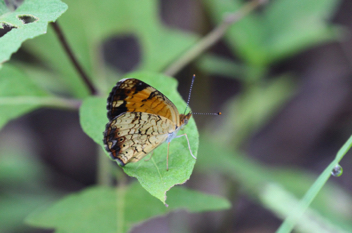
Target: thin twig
pixel 214 36
pixel 73 59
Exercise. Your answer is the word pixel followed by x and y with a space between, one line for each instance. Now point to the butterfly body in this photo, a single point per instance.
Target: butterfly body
pixel 141 119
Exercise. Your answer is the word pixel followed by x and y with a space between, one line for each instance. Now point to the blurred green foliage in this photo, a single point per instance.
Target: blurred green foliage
pixel 23 182
pixel 280 30
pixel 103 209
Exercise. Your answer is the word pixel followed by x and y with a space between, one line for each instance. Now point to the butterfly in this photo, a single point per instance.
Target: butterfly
pixel 141 118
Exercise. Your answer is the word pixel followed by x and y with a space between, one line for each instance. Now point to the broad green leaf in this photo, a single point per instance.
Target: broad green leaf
pixel 93 117
pixel 282 29
pixel 19 95
pixel 151 174
pixel 16 90
pixel 41 13
pixel 88 27
pixel 110 210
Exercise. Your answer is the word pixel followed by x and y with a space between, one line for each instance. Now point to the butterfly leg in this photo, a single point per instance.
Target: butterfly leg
pixel 151 154
pixel 189 147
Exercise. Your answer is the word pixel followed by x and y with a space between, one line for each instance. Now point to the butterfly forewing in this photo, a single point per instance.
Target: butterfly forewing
pixel 133 95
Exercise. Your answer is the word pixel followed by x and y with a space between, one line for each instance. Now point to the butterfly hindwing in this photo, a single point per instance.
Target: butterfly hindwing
pixel 132 135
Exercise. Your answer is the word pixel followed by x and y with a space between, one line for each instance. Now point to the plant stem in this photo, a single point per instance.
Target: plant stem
pixel 103 174
pixel 121 190
pixel 73 59
pixel 214 36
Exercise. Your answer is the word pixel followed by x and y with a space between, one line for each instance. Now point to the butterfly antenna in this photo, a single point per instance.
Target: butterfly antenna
pixel 190 91
pixel 207 113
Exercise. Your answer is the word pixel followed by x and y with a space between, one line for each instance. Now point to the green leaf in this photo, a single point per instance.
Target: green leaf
pixel 151 174
pixel 103 209
pixel 40 12
pixel 283 28
pixel 20 95
pixel 158 44
pixel 15 91
pixel 93 117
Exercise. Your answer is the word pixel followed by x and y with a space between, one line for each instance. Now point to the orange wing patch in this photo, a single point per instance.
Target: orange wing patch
pixel 133 95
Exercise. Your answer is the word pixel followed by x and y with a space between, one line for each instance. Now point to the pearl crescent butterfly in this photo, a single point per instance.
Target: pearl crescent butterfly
pixel 141 119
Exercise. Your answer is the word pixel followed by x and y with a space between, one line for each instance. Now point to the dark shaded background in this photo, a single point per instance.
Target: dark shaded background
pixel 308 130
